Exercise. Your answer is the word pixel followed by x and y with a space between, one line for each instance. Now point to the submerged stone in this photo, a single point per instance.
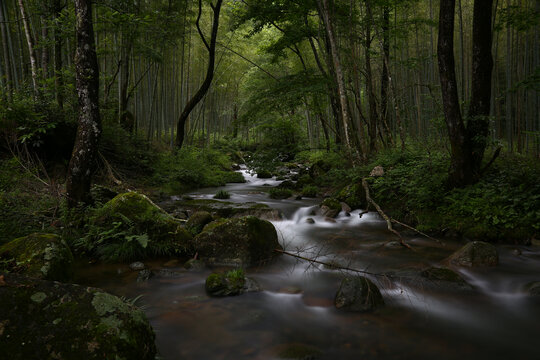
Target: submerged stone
pixel 43 256
pixel 476 253
pixel 231 283
pixel 246 241
pixel 49 320
pixel 358 294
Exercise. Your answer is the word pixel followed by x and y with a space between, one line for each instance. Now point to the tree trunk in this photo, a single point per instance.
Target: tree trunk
pixel 31 48
pixel 460 171
pixel 82 163
pixel 372 101
pixel 5 48
pixel 482 64
pixel 324 12
pixel 180 130
pixel 58 76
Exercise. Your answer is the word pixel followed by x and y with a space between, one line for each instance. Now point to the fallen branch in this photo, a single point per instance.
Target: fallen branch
pixel 384 216
pixel 313 261
pixel 110 171
pixel 416 230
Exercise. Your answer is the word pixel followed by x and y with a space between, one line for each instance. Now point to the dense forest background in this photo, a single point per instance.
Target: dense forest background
pixel 353 84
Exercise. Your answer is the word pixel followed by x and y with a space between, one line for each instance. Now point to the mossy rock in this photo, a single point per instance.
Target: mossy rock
pixel 229 284
pixel 102 194
pixel 319 168
pixel 134 216
pixel 353 195
pixel 43 256
pixel 358 294
pixel 246 241
pixel 279 193
pixel 476 253
pixel 197 221
pixel 48 320
pixel 533 289
pixel 264 174
pixel 330 207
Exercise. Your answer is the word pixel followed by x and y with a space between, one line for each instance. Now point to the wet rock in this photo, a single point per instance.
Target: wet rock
pixel 197 221
pixel 330 220
pixel 377 171
pixel 298 352
pixel 310 221
pixel 358 294
pixel 232 283
pixel 132 221
pixel 137 266
pixel 49 320
pixel 43 256
pixel 330 207
pixel 168 273
pixel 235 167
pixel 248 239
pixel 287 184
pixel 476 253
pixel 144 275
pixel 533 289
pixel 292 290
pixel 346 208
pixel 444 278
pixel 195 265
pixel 516 252
pixel 393 245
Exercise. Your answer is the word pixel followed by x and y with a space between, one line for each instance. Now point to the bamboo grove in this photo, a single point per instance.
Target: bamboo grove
pixel 359 74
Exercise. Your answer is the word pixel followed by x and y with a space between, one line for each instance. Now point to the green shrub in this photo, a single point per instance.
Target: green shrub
pixel 310 191
pixel 222 194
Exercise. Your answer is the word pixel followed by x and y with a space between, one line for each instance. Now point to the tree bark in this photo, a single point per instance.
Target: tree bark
pixel 31 48
pixel 324 12
pixel 5 47
pixel 211 47
pixel 58 75
pixel 460 170
pixel 82 163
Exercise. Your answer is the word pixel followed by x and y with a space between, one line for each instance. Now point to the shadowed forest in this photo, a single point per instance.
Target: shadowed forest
pixel 302 179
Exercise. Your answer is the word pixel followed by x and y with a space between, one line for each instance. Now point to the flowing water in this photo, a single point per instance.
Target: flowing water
pixel 495 320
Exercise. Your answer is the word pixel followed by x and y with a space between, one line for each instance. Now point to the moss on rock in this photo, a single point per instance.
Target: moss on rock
pixel 131 227
pixel 246 241
pixel 47 320
pixel 44 256
pixel 197 221
pixel 358 294
pixel 330 207
pixel 476 253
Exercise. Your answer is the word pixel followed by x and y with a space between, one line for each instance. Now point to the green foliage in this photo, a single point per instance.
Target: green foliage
pixel 26 204
pixel 280 193
pixel 222 194
pixel 310 191
pixel 504 205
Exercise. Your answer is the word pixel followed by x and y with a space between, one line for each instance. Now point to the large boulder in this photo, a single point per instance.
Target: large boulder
pixel 48 320
pixel 197 221
pixel 358 294
pixel 43 256
pixel 476 253
pixel 353 195
pixel 131 227
pixel 246 241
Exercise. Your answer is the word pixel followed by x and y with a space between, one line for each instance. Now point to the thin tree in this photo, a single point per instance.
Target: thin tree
pixel 31 47
pixel 82 163
pixel 199 95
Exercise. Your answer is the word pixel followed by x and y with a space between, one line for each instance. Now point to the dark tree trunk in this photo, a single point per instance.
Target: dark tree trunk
pixel 82 163
pixel 460 170
pixel 180 129
pixel 385 72
pixel 482 64
pixel 467 143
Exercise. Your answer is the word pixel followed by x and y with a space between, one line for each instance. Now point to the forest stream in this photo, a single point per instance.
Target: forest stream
pixel 491 320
